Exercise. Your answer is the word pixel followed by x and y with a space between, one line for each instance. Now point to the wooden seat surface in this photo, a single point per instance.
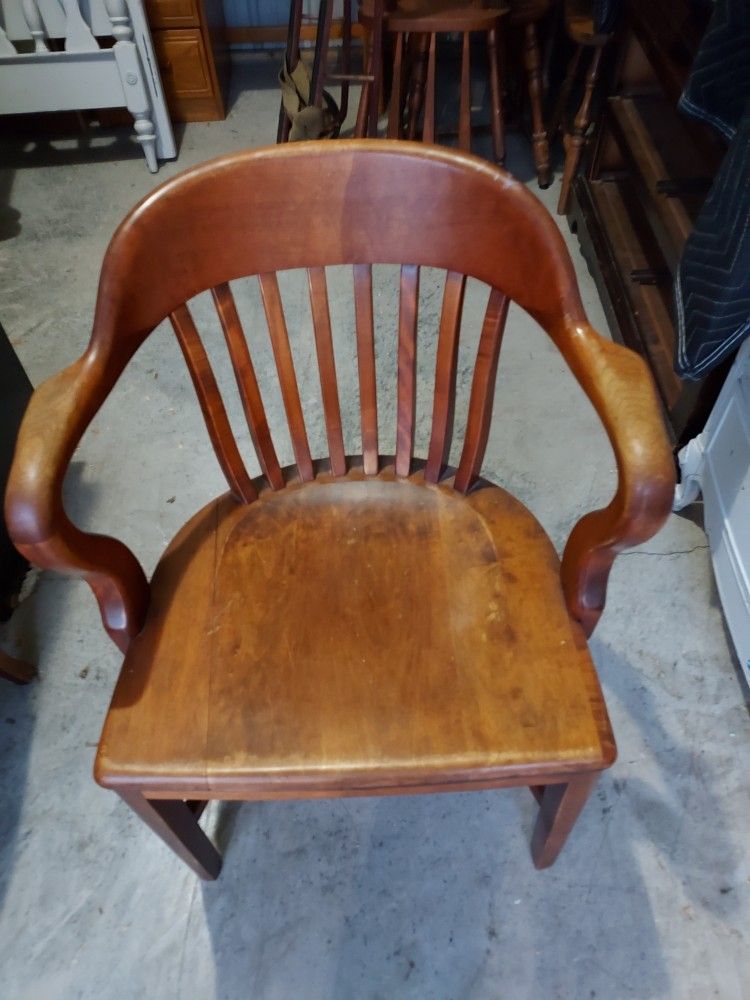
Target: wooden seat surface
pixel 355 634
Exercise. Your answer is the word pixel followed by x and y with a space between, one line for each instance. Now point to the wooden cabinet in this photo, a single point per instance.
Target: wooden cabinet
pixel 647 177
pixel 190 45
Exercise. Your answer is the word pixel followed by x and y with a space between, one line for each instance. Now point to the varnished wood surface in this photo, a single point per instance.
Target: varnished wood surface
pixel 355 633
pixel 347 631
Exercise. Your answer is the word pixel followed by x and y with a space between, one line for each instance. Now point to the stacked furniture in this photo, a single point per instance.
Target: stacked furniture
pixel 647 176
pixel 193 56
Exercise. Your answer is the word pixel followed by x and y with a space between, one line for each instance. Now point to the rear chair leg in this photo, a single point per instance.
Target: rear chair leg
pixel 177 824
pixel 559 808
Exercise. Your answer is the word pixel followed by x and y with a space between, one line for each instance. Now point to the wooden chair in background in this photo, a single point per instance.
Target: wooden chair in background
pixel 353 625
pixel 589 25
pixel 426 28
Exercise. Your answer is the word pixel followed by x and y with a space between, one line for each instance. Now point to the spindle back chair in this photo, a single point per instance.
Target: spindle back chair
pixel 356 625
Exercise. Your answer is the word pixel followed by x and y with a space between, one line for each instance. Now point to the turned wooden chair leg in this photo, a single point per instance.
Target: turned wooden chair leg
pixel 574 142
pixel 561 105
pixel 539 140
pixel 559 808
pixel 496 97
pixel 176 822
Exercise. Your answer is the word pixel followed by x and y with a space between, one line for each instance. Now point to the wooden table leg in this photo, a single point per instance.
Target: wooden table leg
pixel 177 824
pixel 559 808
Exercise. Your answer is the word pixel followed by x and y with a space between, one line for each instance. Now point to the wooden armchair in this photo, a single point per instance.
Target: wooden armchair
pixel 356 625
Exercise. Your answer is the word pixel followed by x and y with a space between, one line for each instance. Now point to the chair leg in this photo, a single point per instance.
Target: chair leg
pixel 292 58
pixel 539 141
pixel 558 116
pixel 496 97
pixel 176 823
pixel 559 808
pixel 419 44
pixel 574 142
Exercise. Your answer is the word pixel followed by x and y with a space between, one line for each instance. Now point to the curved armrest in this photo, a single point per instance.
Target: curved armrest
pixel 58 414
pixel 619 385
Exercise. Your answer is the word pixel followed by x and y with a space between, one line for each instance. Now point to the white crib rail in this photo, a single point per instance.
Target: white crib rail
pixel 35 25
pixel 83 74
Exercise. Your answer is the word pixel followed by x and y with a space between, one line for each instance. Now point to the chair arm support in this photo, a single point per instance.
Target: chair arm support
pixel 620 387
pixel 58 414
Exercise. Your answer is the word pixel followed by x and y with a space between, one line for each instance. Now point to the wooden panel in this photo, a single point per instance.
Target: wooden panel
pixel 183 64
pixel 173 13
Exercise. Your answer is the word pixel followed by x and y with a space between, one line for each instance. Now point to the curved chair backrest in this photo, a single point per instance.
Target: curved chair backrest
pixel 316 204
pixel 312 205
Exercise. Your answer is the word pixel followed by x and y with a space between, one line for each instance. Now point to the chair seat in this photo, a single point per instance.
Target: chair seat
pixel 355 635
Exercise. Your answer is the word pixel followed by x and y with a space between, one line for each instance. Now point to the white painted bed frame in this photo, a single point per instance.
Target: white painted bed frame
pixel 83 75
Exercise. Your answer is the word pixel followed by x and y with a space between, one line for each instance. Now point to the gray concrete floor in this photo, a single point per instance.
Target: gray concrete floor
pixel 425 897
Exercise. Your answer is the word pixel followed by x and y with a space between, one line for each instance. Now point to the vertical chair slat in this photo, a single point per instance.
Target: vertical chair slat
pixel 482 391
pixel 445 375
pixel 428 129
pixel 464 115
pixel 247 384
pixel 407 367
pixel 327 367
pixel 368 393
pixel 282 352
pixel 212 406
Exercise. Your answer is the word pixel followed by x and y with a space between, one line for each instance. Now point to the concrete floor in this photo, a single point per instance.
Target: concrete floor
pixel 425 897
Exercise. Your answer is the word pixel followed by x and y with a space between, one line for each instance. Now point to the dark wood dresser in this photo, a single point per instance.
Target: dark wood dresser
pixel 191 49
pixel 647 175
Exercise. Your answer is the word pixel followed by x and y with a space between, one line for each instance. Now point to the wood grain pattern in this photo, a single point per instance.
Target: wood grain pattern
pixel 212 406
pixel 482 391
pixel 282 352
pixel 247 383
pixel 407 367
pixel 359 633
pixel 304 693
pixel 368 391
pixel 327 368
pixel 445 375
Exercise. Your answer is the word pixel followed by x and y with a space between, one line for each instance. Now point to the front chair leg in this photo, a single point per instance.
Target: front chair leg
pixel 177 824
pixel 559 808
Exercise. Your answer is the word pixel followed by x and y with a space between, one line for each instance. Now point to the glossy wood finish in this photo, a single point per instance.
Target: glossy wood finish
pixel 247 384
pixel 350 625
pixel 212 406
